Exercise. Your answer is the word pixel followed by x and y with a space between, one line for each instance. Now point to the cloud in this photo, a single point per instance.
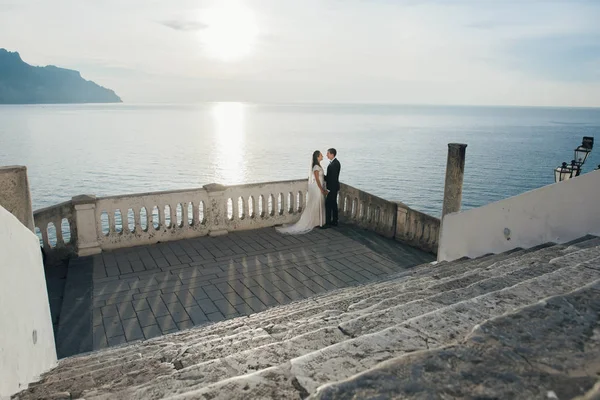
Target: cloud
pixel 183 25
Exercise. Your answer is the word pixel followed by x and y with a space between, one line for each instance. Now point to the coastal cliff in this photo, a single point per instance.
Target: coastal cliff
pixel 21 83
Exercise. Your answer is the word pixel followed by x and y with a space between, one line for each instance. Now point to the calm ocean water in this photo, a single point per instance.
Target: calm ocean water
pixel 396 152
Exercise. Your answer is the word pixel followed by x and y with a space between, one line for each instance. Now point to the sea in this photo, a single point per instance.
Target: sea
pixel 397 152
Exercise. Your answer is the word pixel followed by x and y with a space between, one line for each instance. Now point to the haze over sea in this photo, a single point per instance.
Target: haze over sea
pixel 397 152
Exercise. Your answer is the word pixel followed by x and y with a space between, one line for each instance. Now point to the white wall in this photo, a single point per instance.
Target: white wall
pixel 24 308
pixel 558 213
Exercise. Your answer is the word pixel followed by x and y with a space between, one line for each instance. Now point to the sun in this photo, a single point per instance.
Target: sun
pixel 231 31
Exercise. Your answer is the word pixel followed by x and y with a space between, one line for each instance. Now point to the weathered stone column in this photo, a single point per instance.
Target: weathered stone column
pixel 85 219
pixel 455 169
pixel 14 194
pixel 217 209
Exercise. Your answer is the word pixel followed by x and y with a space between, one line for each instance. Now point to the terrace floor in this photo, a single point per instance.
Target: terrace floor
pixel 142 292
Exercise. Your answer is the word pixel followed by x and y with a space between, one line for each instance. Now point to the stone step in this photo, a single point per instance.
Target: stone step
pixel 494 278
pixel 199 351
pixel 340 300
pixel 130 358
pixel 205 373
pixel 440 326
pixel 546 264
pixel 303 376
pixel 413 291
pixel 132 353
pixel 491 359
pixel 278 353
pixel 266 318
pixel 169 353
pixel 220 329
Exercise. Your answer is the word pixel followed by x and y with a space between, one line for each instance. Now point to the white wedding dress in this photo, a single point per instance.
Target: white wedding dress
pixel 314 211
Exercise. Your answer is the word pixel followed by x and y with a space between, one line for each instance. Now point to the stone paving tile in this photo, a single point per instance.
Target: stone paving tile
pixel 225 307
pixel 97 316
pixel 234 298
pixel 100 340
pixel 158 306
pixel 186 298
pixel 151 331
pixel 141 304
pixel 185 325
pixel 109 311
pixel 215 317
pixel 207 306
pixel 196 314
pixel 146 318
pixel 132 329
pixel 116 340
pixel 147 291
pixel 113 326
pixel 178 312
pixel 126 310
pixel 166 323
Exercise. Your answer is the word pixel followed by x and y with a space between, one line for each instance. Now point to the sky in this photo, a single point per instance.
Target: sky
pixel 468 52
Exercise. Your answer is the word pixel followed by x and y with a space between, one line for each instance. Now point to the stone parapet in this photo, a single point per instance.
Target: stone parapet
pixel 14 194
pixel 87 225
pixel 417 229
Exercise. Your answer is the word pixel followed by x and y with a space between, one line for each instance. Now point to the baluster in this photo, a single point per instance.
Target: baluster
pixel 125 220
pixel 59 235
pixel 137 218
pixel 162 221
pixel 44 230
pixel 196 212
pixel 111 222
pixel 173 211
pixel 184 215
pixel 252 210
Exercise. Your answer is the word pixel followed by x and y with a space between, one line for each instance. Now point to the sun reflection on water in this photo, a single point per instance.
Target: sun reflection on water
pixel 230 131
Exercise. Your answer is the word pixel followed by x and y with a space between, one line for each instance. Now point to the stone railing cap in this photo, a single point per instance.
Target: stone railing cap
pixel 214 187
pixel 84 199
pixel 13 168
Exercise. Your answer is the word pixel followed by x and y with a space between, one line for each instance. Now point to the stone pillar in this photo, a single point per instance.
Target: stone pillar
pixel 217 209
pixel 455 169
pixel 14 194
pixel 85 220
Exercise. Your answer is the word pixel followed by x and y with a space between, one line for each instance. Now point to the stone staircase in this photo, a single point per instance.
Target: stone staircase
pixel 521 325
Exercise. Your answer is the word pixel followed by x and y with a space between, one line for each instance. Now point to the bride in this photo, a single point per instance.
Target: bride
pixel 314 212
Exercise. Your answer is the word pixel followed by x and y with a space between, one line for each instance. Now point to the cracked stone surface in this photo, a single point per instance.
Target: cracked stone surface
pixel 520 325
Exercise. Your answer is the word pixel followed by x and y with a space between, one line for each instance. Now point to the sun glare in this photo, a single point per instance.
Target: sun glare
pixel 231 31
pixel 230 131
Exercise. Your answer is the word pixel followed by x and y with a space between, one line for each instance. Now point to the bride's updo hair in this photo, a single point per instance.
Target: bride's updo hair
pixel 315 158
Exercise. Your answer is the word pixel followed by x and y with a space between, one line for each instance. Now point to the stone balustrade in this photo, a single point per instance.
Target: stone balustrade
pixel 417 229
pixel 388 218
pixel 56 228
pixel 139 219
pixel 367 211
pixel 88 225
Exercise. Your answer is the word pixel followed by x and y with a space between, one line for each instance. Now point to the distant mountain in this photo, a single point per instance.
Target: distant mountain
pixel 21 83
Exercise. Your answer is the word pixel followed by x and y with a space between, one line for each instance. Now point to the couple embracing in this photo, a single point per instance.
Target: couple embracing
pixel 321 208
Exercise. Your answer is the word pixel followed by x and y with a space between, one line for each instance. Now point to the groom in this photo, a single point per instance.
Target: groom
pixel 333 186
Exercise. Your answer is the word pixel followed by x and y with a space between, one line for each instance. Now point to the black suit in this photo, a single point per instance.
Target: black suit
pixel 333 185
